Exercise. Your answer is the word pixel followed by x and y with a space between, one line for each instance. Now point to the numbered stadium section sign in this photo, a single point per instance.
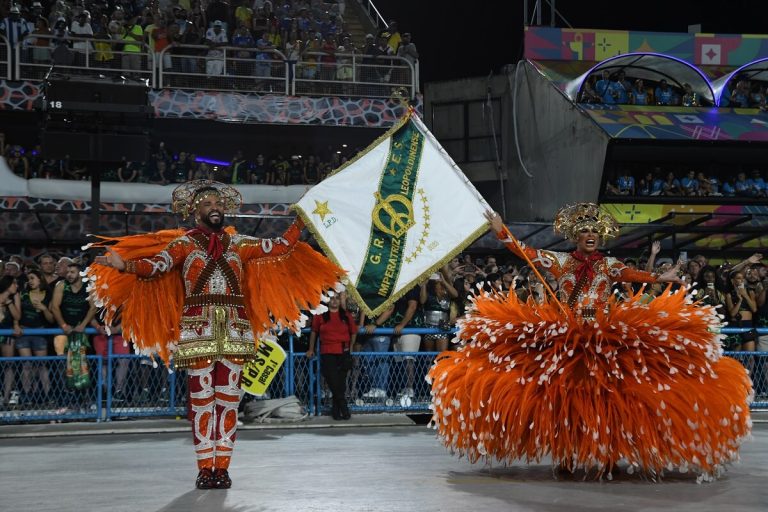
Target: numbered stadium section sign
pixel 394 214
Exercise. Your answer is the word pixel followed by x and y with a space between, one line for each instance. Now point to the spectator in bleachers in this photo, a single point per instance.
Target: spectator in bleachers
pixel 259 172
pixel 242 38
pixel 407 50
pixel 264 55
pixel 219 10
pixel 128 172
pixel 35 314
pixel 623 88
pixel 40 41
pixel 639 94
pixel 48 269
pixel 743 186
pixel 397 317
pixel 215 38
pixel 689 184
pixel 18 163
pixel 651 185
pixel 758 185
pixel 605 89
pixel 740 95
pixel 394 39
pixel 588 92
pixel 311 170
pixel 437 296
pixel 741 306
pixel 244 14
pixel 690 98
pixel 625 184
pixel 14 28
pixel 708 291
pixel 10 314
pixel 132 37
pixel 104 55
pixel 239 168
pixel 328 59
pixel 73 312
pixel 672 185
pixel 664 94
pixel 81 29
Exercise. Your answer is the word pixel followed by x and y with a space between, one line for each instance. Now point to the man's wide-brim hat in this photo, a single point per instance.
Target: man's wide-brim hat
pixel 573 218
pixel 187 196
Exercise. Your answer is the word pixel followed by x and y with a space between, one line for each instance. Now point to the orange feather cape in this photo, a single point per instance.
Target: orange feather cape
pixel 276 290
pixel 646 383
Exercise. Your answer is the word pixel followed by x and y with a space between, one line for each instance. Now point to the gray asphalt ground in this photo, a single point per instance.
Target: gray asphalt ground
pixel 376 463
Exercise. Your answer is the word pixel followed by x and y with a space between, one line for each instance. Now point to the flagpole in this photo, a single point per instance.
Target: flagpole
pixel 510 236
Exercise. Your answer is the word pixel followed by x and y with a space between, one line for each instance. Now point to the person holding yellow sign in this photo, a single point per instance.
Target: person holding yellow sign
pixel 202 298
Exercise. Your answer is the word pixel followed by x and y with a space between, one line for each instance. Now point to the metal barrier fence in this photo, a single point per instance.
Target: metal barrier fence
pixel 5 58
pixel 225 68
pixel 130 386
pixel 38 54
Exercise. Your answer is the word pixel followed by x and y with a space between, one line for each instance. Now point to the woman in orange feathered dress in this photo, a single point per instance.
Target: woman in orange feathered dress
pixel 587 380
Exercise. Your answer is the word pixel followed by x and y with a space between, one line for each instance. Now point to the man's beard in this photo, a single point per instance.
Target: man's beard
pixel 206 221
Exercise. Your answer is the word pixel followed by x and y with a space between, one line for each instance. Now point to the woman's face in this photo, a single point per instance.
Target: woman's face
pixel 693 267
pixel 737 279
pixel 709 277
pixel 34 281
pixel 587 240
pixel 334 302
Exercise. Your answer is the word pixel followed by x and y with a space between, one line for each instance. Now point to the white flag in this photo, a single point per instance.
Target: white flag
pixel 394 214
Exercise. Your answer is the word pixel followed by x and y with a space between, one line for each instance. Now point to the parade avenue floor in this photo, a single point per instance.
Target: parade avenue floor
pixel 360 467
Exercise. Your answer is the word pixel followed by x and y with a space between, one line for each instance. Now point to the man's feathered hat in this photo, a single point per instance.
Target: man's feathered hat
pixel 188 195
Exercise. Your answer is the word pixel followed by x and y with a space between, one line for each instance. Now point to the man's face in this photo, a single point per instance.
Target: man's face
pixel 73 274
pixel 47 265
pixel 210 211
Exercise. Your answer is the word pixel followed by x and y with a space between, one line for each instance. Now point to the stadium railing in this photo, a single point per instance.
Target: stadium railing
pixel 226 68
pixel 150 389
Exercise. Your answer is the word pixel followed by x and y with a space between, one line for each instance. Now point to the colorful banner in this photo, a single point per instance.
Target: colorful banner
pixel 679 123
pixel 396 213
pixel 547 43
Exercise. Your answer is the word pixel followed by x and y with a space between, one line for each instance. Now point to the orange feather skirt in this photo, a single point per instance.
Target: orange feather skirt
pixel 642 383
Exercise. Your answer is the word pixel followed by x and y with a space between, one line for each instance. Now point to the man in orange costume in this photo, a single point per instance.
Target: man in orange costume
pixel 225 287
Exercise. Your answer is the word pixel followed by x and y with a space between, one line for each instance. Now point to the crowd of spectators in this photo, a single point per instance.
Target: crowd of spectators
pixel 167 167
pixel 310 34
pixel 747 183
pixel 617 89
pixel 739 291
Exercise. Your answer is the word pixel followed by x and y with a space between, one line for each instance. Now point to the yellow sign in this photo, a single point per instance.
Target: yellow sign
pixel 258 374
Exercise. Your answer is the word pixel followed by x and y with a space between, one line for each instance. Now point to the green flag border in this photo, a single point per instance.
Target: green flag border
pixel 434 268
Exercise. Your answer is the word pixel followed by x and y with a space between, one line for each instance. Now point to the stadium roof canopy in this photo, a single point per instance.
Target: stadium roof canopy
pixel 756 70
pixel 650 67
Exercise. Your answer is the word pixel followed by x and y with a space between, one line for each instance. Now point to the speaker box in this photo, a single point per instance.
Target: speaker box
pixel 96 95
pixel 95 147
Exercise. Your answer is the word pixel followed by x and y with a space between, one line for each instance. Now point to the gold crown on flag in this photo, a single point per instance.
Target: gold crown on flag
pixel 188 195
pixel 573 218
